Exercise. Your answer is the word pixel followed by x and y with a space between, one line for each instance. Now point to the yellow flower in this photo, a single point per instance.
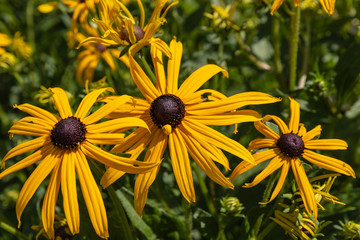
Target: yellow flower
pixel 17 45
pixel 178 118
pixel 48 7
pixel 328 5
pixel 88 59
pixel 286 150
pixel 63 142
pixel 120 27
pixel 222 17
pixel 305 228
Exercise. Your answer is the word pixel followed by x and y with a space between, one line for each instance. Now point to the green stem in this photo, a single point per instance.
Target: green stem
pixel 13 231
pixel 188 219
pixel 148 70
pixel 294 42
pixel 266 231
pixel 276 39
pixel 124 224
pixel 204 190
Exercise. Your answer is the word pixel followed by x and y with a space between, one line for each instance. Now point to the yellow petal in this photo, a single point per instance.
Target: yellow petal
pixel 103 41
pixel 283 128
pixel 68 190
pixel 294 116
pixel 275 6
pixel 121 163
pixel 280 183
pixel 198 78
pixel 276 163
pixel 181 165
pixel 316 131
pixel 33 182
pixel 116 124
pixel 203 160
pixel 61 102
pixel 328 163
pixel 161 45
pixel 142 81
pixel 227 118
pixel 259 157
pixel 105 110
pixel 211 136
pixel 302 130
pixel 49 202
pixel 157 59
pixel 38 112
pixel 328 6
pixel 110 176
pixel 88 101
pixel 143 182
pixel 265 130
pixel 326 144
pixel 31 129
pixel 105 138
pixel 262 143
pixel 108 57
pixel 48 7
pixel 92 196
pixel 197 97
pixel 305 188
pixel 173 66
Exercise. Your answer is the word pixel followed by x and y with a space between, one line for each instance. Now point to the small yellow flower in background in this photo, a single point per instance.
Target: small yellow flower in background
pixel 296 225
pixel 178 119
pixel 222 17
pixel 92 86
pixel 88 59
pixel 17 45
pixel 48 7
pixel 285 152
pixel 45 95
pixel 350 230
pixel 120 27
pixel 328 5
pixel 61 145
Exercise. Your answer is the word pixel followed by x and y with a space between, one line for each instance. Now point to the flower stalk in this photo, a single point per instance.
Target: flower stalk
pixel 294 42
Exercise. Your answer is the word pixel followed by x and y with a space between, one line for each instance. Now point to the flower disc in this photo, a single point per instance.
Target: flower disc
pixel 68 133
pixel 138 32
pixel 167 109
pixel 291 144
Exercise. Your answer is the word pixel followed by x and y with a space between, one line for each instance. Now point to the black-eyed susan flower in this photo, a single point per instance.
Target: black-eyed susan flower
pixel 120 28
pixel 178 118
pixel 88 59
pixel 61 145
pixel 285 151
pixel 328 5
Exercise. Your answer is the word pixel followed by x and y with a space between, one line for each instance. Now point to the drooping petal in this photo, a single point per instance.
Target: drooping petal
pixel 265 130
pixel 116 124
pixel 61 102
pixel 316 131
pixel 103 41
pixel 143 182
pixel 276 163
pixel 142 81
pixel 38 121
pixel 173 66
pixel 197 97
pixel 328 163
pixel 105 138
pixel 92 196
pixel 157 59
pixel 34 181
pixel 302 130
pixel 121 163
pixel 229 104
pixel 23 128
pixel 49 203
pixel 198 78
pixel 284 171
pixel 181 165
pixel 68 190
pixel 305 188
pixel 259 157
pixel 213 137
pixel 89 100
pixel 105 110
pixel 203 160
pixel 328 6
pixel 110 176
pixel 29 160
pixel 262 143
pixel 326 144
pixel 26 147
pixel 294 116
pixel 227 118
pixel 283 128
pixel 38 112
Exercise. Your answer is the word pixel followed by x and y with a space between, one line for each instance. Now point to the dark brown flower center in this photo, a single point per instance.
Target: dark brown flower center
pixel 291 144
pixel 100 47
pixel 138 32
pixel 63 233
pixel 68 133
pixel 167 109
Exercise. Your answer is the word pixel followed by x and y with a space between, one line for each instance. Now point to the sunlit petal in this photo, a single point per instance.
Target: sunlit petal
pixel 316 131
pixel 173 66
pixel 38 112
pixel 326 144
pixel 61 102
pixel 262 143
pixel 294 116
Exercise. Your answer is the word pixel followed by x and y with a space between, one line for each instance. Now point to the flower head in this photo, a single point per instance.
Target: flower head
pixel 222 17
pixel 61 145
pixel 328 5
pixel 287 149
pixel 120 28
pixel 178 119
